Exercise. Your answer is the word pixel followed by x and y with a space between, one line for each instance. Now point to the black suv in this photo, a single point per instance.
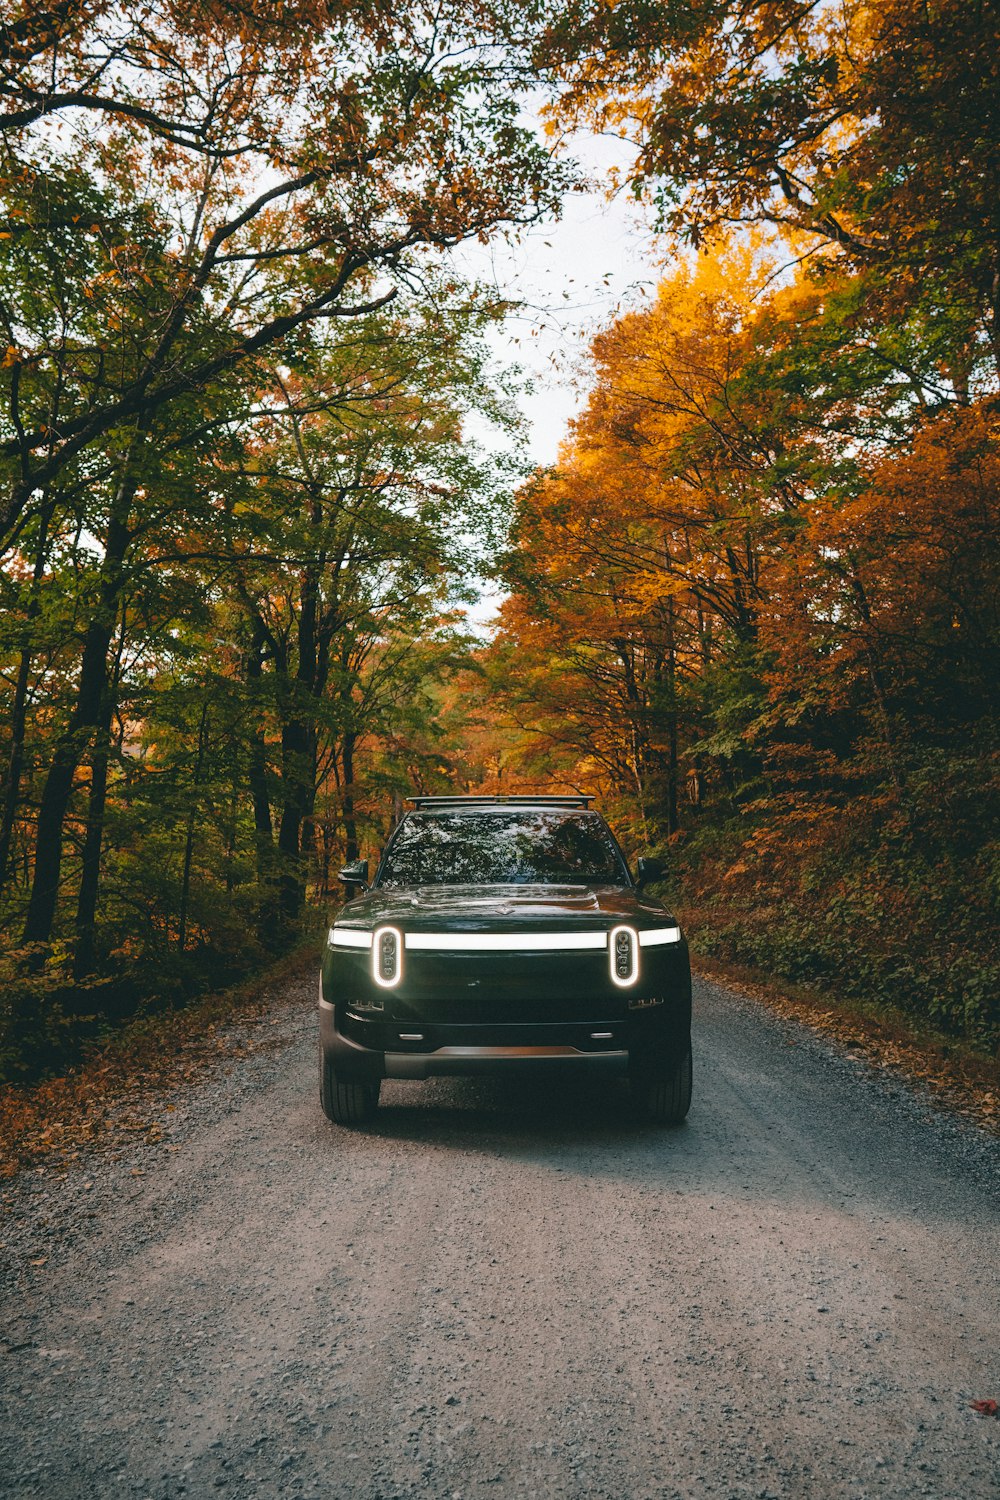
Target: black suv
pixel 503 933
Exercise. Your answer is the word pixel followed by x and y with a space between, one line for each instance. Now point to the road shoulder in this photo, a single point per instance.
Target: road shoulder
pixel 954 1078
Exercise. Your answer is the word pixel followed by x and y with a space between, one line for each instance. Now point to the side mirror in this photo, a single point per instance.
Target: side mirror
pixel 355 876
pixel 650 867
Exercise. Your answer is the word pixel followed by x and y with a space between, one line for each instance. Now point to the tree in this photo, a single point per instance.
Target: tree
pixel 362 480
pixel 260 171
pixel 868 130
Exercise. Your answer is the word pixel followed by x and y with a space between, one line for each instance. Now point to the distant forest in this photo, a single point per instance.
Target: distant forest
pixel 754 606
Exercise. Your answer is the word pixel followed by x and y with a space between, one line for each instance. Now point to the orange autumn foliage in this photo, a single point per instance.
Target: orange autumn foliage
pixel 758 600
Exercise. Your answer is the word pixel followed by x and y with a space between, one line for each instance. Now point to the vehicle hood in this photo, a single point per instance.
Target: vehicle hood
pixel 477 908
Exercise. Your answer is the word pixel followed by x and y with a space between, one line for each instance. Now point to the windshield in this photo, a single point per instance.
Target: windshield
pixel 535 847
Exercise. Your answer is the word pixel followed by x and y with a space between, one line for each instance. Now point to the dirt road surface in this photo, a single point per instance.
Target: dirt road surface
pixel 498 1291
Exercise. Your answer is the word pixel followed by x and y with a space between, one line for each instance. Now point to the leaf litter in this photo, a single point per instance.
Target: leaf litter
pixel 118 1091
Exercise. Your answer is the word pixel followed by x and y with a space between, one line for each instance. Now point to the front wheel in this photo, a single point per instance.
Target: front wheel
pixel 665 1096
pixel 345 1103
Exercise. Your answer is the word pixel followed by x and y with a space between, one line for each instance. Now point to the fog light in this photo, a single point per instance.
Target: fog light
pixel 387 956
pixel 623 953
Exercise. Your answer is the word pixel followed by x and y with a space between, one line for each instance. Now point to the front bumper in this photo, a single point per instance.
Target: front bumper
pixel 465 1062
pixel 364 1050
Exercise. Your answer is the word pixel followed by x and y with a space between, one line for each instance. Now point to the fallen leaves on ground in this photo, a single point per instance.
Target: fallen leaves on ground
pixel 986 1408
pixel 120 1090
pixel 967 1085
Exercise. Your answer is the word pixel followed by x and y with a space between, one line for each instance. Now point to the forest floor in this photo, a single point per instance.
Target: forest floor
pixel 495 1291
pixel 117 1091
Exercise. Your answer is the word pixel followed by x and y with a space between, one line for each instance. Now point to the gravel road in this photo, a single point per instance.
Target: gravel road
pixel 502 1292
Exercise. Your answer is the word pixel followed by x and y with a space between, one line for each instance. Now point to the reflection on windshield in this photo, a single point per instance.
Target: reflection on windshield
pixel 503 848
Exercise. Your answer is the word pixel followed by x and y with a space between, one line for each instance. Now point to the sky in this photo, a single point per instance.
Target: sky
pixel 573 275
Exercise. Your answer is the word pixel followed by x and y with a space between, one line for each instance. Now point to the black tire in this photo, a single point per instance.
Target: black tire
pixel 666 1096
pixel 345 1103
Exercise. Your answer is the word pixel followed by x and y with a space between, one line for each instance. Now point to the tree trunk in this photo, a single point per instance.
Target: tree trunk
pixel 295 776
pixel 234 806
pixel 257 767
pixel 19 709
pixel 90 868
pixel 84 720
pixel 298 745
pixel 672 731
pixel 15 763
pixel 263 826
pixel 58 786
pixel 324 865
pixel 351 849
pixel 189 841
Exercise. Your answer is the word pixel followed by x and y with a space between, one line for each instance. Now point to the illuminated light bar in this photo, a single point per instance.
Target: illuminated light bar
pixel 623 951
pixel 654 936
pixel 387 956
pixel 505 942
pixel 350 937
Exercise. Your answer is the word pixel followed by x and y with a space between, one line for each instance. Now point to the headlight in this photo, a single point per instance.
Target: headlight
pixel 387 956
pixel 349 937
pixel 623 953
pixel 657 937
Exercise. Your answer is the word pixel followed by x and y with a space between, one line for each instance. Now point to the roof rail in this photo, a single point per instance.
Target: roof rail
pixel 578 799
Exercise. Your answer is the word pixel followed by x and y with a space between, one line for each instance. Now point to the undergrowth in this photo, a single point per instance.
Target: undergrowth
pixel 856 901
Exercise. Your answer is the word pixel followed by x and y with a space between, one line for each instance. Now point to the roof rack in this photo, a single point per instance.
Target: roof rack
pixel 578 799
